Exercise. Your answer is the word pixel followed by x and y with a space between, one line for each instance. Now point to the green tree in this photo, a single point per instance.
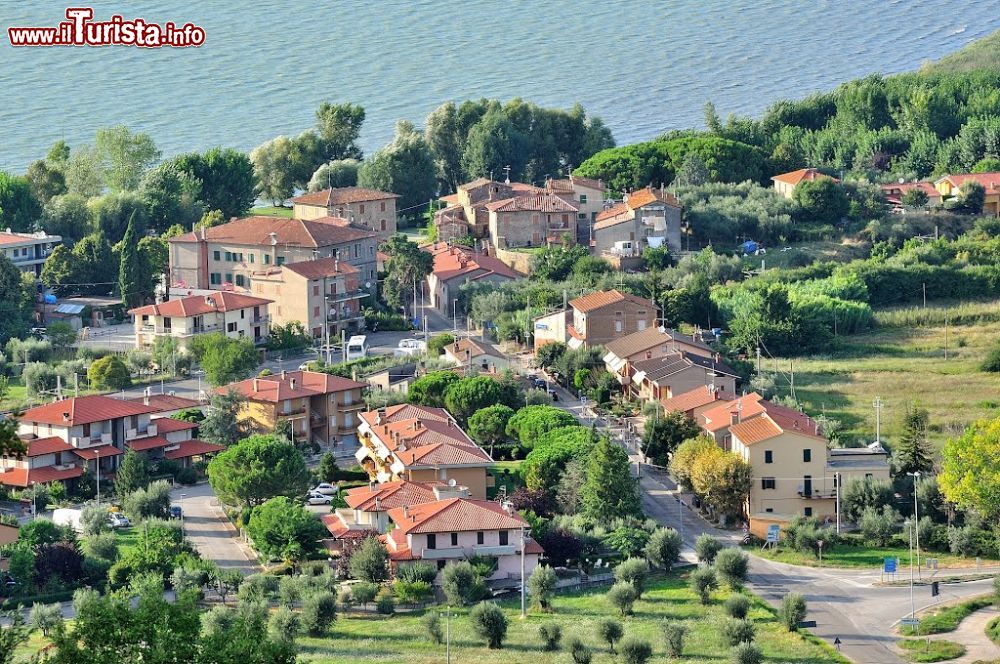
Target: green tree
pixel 407 266
pixel 635 651
pixel 226 177
pixel 723 480
pixel 912 453
pixel 662 435
pixel 132 474
pixel 328 470
pixel 292 336
pixel 494 143
pixel 19 209
pixel 256 469
pixel 822 201
pixel 274 167
pixel 13 636
pixel 113 212
pixel 610 632
pixel 284 529
pixel 634 571
pixel 339 126
pixel 863 493
pixel 336 173
pixel 171 196
pixel 663 548
pixel 124 156
pixel 226 360
pixel 16 306
pixel 733 566
pixel 914 198
pixel 129 272
pixel 610 490
pixel 542 587
pixel 109 373
pixel 468 395
pixel 792 611
pixel 674 633
pixel 45 181
pixel 430 389
pixel 437 343
pixel 622 596
pixel 684 457
pixel 878 526
pixel 490 623
pixel 703 581
pixel 488 425
pixel 68 217
pixel 459 583
pixel 529 424
pixel 693 171
pixel 971 196
pixel 445 139
pixel 370 561
pixel 706 548
pixel 405 167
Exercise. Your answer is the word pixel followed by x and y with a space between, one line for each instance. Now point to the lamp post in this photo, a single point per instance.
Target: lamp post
pixel 183 507
pixel 916 517
pixel 524 613
pixel 98 453
pixel 447 632
pixel 909 532
pixel 33 500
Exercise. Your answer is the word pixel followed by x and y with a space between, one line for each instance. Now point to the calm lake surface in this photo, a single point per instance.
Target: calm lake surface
pixel 644 67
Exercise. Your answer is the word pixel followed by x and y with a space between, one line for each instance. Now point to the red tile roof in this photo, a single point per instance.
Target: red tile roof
pixel 389 495
pixel 24 238
pixel 292 385
pixel 453 261
pixel 567 184
pixel 990 181
pixel 642 197
pixel 807 174
pixel 541 202
pixel 165 402
pixel 721 416
pixel 601 299
pixel 895 190
pixel 696 398
pixel 315 233
pixel 454 515
pixel 98 451
pixel 148 443
pixel 321 268
pixel 198 305
pixel 193 447
pixel 342 196
pixel 23 476
pixel 340 530
pixel 474 349
pixel 49 445
pixel 170 425
pixel 614 215
pixel 84 410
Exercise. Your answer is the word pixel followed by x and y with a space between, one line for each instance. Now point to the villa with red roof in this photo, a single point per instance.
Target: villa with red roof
pixel 697 401
pixel 949 185
pixel 28 251
pixel 894 192
pixel 367 510
pixel 67 437
pixel 421 444
pixel 595 319
pixel 785 183
pixel 366 208
pixel 320 407
pixel 455 266
pixel 233 314
pixel 458 528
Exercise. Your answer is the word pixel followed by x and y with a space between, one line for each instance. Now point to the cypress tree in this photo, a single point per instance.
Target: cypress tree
pixel 912 452
pixel 129 269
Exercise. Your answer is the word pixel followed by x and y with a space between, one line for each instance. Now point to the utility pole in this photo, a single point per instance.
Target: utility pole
pixel 877 405
pixel 447 631
pixel 916 517
pixel 791 379
pixel 758 360
pixel 945 337
pixel 98 453
pixel 836 480
pixel 912 608
pixel 524 612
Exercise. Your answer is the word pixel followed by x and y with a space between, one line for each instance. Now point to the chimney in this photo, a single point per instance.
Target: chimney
pixel 378 504
pixel 406 511
pixel 256 384
pixel 292 382
pixel 66 416
pixel 284 374
pixel 371 485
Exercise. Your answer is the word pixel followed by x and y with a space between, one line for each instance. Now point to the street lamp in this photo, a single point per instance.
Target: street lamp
pixel 183 506
pixel 447 632
pixel 524 613
pixel 33 492
pixel 97 451
pixel 916 517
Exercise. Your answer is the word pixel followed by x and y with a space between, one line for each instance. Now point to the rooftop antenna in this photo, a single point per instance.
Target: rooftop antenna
pixel 506 170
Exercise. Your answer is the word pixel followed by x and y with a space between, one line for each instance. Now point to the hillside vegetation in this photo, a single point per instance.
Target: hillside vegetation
pixel 981 54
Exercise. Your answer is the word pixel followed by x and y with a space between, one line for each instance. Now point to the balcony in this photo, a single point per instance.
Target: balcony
pixel 814 493
pixel 485 550
pixel 132 434
pixel 292 412
pixel 259 320
pixel 450 553
pixel 346 296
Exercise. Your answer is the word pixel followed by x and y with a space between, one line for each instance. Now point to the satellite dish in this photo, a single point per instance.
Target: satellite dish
pixel 452 482
pixel 368 284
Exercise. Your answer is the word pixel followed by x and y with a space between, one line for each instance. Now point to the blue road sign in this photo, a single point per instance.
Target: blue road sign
pixel 889 565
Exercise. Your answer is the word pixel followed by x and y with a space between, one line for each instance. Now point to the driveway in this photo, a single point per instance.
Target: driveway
pixel 210 531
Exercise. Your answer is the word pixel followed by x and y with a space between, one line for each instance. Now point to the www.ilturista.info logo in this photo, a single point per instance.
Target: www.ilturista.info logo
pixel 80 30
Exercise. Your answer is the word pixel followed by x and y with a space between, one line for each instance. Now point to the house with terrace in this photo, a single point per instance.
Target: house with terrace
pixel 648 344
pixel 645 218
pixel 421 444
pixel 233 314
pixel 676 373
pixel 367 511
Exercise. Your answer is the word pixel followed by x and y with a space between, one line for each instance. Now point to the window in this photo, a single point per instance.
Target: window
pixel 808 511
pixel 441 564
pixel 229 257
pixel 768 456
pixel 361 209
pixel 767 483
pixel 241 281
pixel 371 251
pixel 231 327
pixel 382 206
pixel 217 255
pixel 480 538
pixel 454 539
pixel 251 258
pixel 642 324
pixel 267 259
pixel 583 199
pixel 382 224
pixel 315 289
pixel 357 250
pixel 215 278
pixel 281 260
pixel 582 216
pixel 243 312
pixel 229 277
pixel 348 398
pixel 432 541
pixel 769 509
pixel 618 326
pixel 86 430
pixel 166 323
pixel 315 312
pixel 504 538
pixel 807 455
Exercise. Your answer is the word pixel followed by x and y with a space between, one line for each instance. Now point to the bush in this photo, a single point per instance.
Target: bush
pixel 284 624
pixel 703 581
pixel 420 571
pixel 432 623
pixel 102 545
pixel 412 592
pixel 289 590
pixel 94 520
pixel 45 617
pixel 635 651
pixel 622 596
pixel 489 623
pixel 992 362
pixel 578 651
pixel 737 606
pixel 458 582
pixel 634 571
pixel 736 630
pixel 706 548
pixel 732 566
pixel 370 562
pixel 674 633
pixel 663 548
pixel 542 586
pixel 153 501
pixel 436 344
pixel 363 593
pixel 792 611
pixel 878 526
pixel 319 612
pixel 610 632
pixel 550 635
pixel 384 602
pixel 109 373
pixel 747 653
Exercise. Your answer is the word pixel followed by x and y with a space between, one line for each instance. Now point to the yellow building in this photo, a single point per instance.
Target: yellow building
pixel 949 185
pixel 786 183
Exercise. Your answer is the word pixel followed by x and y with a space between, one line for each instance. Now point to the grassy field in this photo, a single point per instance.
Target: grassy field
pixel 272 211
pixel 803 253
pixel 980 54
pixel 17 395
pixel 843 555
pixel 903 364
pixel 923 650
pixel 947 618
pixel 402 638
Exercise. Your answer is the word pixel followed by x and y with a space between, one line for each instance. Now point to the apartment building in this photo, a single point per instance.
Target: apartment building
pixel 645 218
pixel 319 407
pixel 532 220
pixel 28 251
pixel 460 528
pixel 233 314
pixel 455 266
pixel 421 444
pixel 227 256
pixel 365 208
pixel 596 319
pixel 367 511
pixel 323 294
pixel 68 437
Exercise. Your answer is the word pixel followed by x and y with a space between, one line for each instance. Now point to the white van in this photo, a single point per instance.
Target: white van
pixel 67 517
pixel 357 347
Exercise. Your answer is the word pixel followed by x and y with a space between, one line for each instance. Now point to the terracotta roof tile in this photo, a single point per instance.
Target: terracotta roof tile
pixel 803 174
pixel 342 196
pixel 23 476
pixel 49 445
pixel 454 515
pixel 542 202
pixel 389 495
pixel 170 425
pixel 291 385
pixel 474 348
pixel 721 416
pixel 321 267
pixel 98 451
pixel 453 261
pixel 642 197
pixel 314 233
pixel 601 299
pixel 84 410
pixel 191 448
pixel 696 398
pixel 643 340
pixel 990 181
pixel 165 402
pixel 198 305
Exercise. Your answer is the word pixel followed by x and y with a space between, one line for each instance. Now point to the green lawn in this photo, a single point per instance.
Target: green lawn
pixel 16 395
pixel 924 650
pixel 127 539
pixel 803 253
pixel 946 619
pixel 402 638
pixel 844 555
pixel 272 211
pixel 902 365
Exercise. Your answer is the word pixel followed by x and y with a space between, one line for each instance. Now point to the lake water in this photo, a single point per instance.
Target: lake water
pixel 643 66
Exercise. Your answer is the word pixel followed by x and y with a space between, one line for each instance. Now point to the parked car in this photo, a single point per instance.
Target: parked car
pixel 538 383
pixel 118 520
pixel 176 512
pixel 409 347
pixel 317 498
pixel 325 488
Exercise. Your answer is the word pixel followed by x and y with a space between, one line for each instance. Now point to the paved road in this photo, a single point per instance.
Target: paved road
pixel 209 530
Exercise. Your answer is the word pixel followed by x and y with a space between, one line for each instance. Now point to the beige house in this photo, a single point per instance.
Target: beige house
pixel 532 220
pixel 323 294
pixel 587 195
pixel 455 266
pixel 28 251
pixel 233 314
pixel 319 407
pixel 465 212
pixel 785 183
pixel 366 208
pixel 460 528
pixel 393 379
pixel 227 256
pixel 477 356
pixel 367 510
pixel 647 344
pixel 595 319
pixel 646 218
pixel 679 372
pixel 421 444
pixel 697 401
